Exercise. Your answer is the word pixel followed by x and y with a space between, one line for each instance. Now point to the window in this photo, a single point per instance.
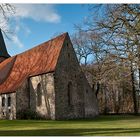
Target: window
pixel 9 101
pixel 39 95
pixel 68 55
pixel 3 101
pixel 9 110
pixel 67 44
pixel 69 93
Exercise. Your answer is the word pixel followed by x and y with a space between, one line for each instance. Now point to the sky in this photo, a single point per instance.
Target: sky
pixel 33 24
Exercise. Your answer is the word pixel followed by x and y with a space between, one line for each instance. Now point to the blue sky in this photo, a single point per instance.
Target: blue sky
pixel 34 24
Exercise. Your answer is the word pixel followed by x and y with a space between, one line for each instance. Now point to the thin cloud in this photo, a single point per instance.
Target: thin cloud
pixel 17 41
pixel 37 12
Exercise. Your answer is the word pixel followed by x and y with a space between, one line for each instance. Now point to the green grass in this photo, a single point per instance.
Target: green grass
pixel 102 126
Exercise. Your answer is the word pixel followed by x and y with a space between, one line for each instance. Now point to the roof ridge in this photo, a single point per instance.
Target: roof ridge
pixel 66 33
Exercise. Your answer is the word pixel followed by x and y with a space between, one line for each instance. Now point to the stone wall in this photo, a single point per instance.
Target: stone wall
pixel 42 95
pixel 22 97
pixel 68 71
pixel 8 111
pixel 91 103
pixel 26 97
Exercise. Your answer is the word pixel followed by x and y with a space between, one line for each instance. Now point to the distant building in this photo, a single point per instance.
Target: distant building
pixel 46 79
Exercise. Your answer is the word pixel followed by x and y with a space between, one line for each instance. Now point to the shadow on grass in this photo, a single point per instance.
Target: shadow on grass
pixel 115 117
pixel 73 132
pixel 101 118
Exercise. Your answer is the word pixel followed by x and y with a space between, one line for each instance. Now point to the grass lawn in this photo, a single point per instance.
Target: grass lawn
pixel 102 126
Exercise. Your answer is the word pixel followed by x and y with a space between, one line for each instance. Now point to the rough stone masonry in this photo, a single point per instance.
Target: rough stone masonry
pixel 46 79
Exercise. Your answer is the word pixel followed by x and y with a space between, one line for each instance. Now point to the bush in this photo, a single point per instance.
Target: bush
pixel 28 114
pixel 106 110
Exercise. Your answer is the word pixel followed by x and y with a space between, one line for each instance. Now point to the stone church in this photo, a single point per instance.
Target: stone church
pixel 46 79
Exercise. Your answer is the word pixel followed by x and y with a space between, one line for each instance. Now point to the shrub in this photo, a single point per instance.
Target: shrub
pixel 29 114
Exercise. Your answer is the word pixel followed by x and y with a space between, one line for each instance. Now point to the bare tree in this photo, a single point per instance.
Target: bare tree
pixel 82 46
pixel 119 33
pixel 6 10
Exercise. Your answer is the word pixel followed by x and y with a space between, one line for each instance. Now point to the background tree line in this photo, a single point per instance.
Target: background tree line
pixel 107 44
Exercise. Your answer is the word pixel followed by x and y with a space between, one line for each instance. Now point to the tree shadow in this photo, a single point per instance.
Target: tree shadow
pixel 73 132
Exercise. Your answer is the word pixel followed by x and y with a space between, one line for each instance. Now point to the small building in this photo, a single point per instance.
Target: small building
pixel 46 79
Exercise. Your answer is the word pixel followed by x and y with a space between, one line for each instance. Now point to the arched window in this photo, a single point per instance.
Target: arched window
pixel 39 95
pixel 69 93
pixel 68 55
pixel 9 101
pixel 67 44
pixel 3 101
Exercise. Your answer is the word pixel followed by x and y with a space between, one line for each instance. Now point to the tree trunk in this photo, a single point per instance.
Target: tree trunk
pixel 96 89
pixel 105 98
pixel 134 91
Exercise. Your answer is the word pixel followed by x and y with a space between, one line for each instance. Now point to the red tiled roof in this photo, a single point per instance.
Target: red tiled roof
pixel 38 60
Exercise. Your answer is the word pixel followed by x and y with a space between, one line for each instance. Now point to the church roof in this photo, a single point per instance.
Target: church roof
pixel 38 60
